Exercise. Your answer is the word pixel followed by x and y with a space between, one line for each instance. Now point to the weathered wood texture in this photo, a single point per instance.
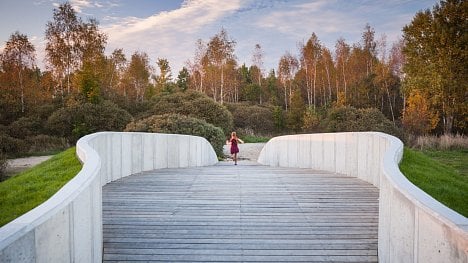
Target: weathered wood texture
pixel 240 213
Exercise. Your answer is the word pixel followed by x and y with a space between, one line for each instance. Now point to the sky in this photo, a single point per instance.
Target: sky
pixel 170 28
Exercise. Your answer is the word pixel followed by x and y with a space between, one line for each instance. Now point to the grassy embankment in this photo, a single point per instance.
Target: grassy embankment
pixel 443 174
pixel 32 187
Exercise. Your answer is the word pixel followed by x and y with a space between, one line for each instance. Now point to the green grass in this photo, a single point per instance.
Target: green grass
pixel 441 174
pixel 457 159
pixel 32 187
pixel 254 139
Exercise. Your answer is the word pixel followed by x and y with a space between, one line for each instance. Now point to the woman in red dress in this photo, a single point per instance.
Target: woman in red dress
pixel 234 148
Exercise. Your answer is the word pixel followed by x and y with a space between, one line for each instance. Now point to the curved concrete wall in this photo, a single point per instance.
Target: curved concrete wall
pixel 68 226
pixel 413 227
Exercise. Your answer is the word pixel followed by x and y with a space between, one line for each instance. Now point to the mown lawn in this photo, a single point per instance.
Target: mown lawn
pixel 32 187
pixel 441 174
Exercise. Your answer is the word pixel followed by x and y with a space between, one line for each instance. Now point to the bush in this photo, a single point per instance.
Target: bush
pixel 342 119
pixel 3 166
pixel 81 119
pixel 374 120
pixel 350 119
pixel 25 127
pixel 193 104
pixel 252 117
pixel 11 147
pixel 178 124
pixel 45 144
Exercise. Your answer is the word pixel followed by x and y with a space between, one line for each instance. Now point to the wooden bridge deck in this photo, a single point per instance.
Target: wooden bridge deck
pixel 241 213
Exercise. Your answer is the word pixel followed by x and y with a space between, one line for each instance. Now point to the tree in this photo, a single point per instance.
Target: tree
pixel 61 48
pixel 18 55
pixel 91 43
pixel 287 69
pixel 183 79
pixel 118 64
pixel 310 56
pixel 137 75
pixel 70 43
pixel 220 51
pixel 329 71
pixel 369 46
pixel 342 52
pixel 88 82
pixel 437 60
pixel 296 113
pixel 165 75
pixel 197 67
pixel 418 119
pixel 257 66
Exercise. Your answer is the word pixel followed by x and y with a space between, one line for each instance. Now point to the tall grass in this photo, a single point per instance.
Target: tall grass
pixel 443 142
pixel 32 187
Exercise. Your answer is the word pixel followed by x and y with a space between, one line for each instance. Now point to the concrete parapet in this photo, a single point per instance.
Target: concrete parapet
pixel 68 226
pixel 413 227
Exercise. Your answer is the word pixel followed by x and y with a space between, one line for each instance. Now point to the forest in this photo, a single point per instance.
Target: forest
pixel 416 86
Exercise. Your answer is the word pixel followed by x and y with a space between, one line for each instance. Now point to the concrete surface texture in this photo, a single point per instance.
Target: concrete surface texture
pixel 68 226
pixel 413 227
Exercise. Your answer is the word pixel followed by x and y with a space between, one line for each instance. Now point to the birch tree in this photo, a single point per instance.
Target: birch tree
pixel 342 53
pixel 287 69
pixel 220 50
pixel 18 56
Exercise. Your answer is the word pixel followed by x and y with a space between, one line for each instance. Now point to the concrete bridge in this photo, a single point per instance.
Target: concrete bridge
pixel 319 197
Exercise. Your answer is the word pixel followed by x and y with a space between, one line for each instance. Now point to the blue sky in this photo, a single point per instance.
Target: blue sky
pixel 170 28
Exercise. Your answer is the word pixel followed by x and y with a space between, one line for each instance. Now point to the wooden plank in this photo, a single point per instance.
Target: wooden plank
pixel 240 213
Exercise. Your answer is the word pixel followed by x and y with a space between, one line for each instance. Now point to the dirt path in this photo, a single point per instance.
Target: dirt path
pixel 18 165
pixel 247 151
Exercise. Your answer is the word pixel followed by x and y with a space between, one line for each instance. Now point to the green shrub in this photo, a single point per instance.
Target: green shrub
pixel 311 120
pixel 25 127
pixel 11 147
pixel 252 117
pixel 374 120
pixel 82 119
pixel 193 104
pixel 3 166
pixel 342 119
pixel 278 118
pixel 350 119
pixel 178 124
pixel 45 144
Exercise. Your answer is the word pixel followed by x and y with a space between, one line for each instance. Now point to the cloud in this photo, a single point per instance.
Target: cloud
pixel 317 16
pixel 168 34
pixel 78 5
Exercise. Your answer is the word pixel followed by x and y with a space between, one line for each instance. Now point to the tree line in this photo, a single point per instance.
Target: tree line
pixel 419 83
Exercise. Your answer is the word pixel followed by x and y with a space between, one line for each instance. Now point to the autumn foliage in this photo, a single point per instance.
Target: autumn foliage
pixel 418 118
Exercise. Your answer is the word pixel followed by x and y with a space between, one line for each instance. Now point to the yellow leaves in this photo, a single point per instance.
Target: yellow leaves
pixel 418 118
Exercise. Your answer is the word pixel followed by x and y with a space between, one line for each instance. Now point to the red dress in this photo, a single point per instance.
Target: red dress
pixel 234 148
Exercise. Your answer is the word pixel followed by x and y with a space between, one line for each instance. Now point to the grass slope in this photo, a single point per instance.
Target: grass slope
pixel 437 174
pixel 32 187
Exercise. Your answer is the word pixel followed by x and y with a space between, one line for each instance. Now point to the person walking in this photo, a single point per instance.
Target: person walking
pixel 234 140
